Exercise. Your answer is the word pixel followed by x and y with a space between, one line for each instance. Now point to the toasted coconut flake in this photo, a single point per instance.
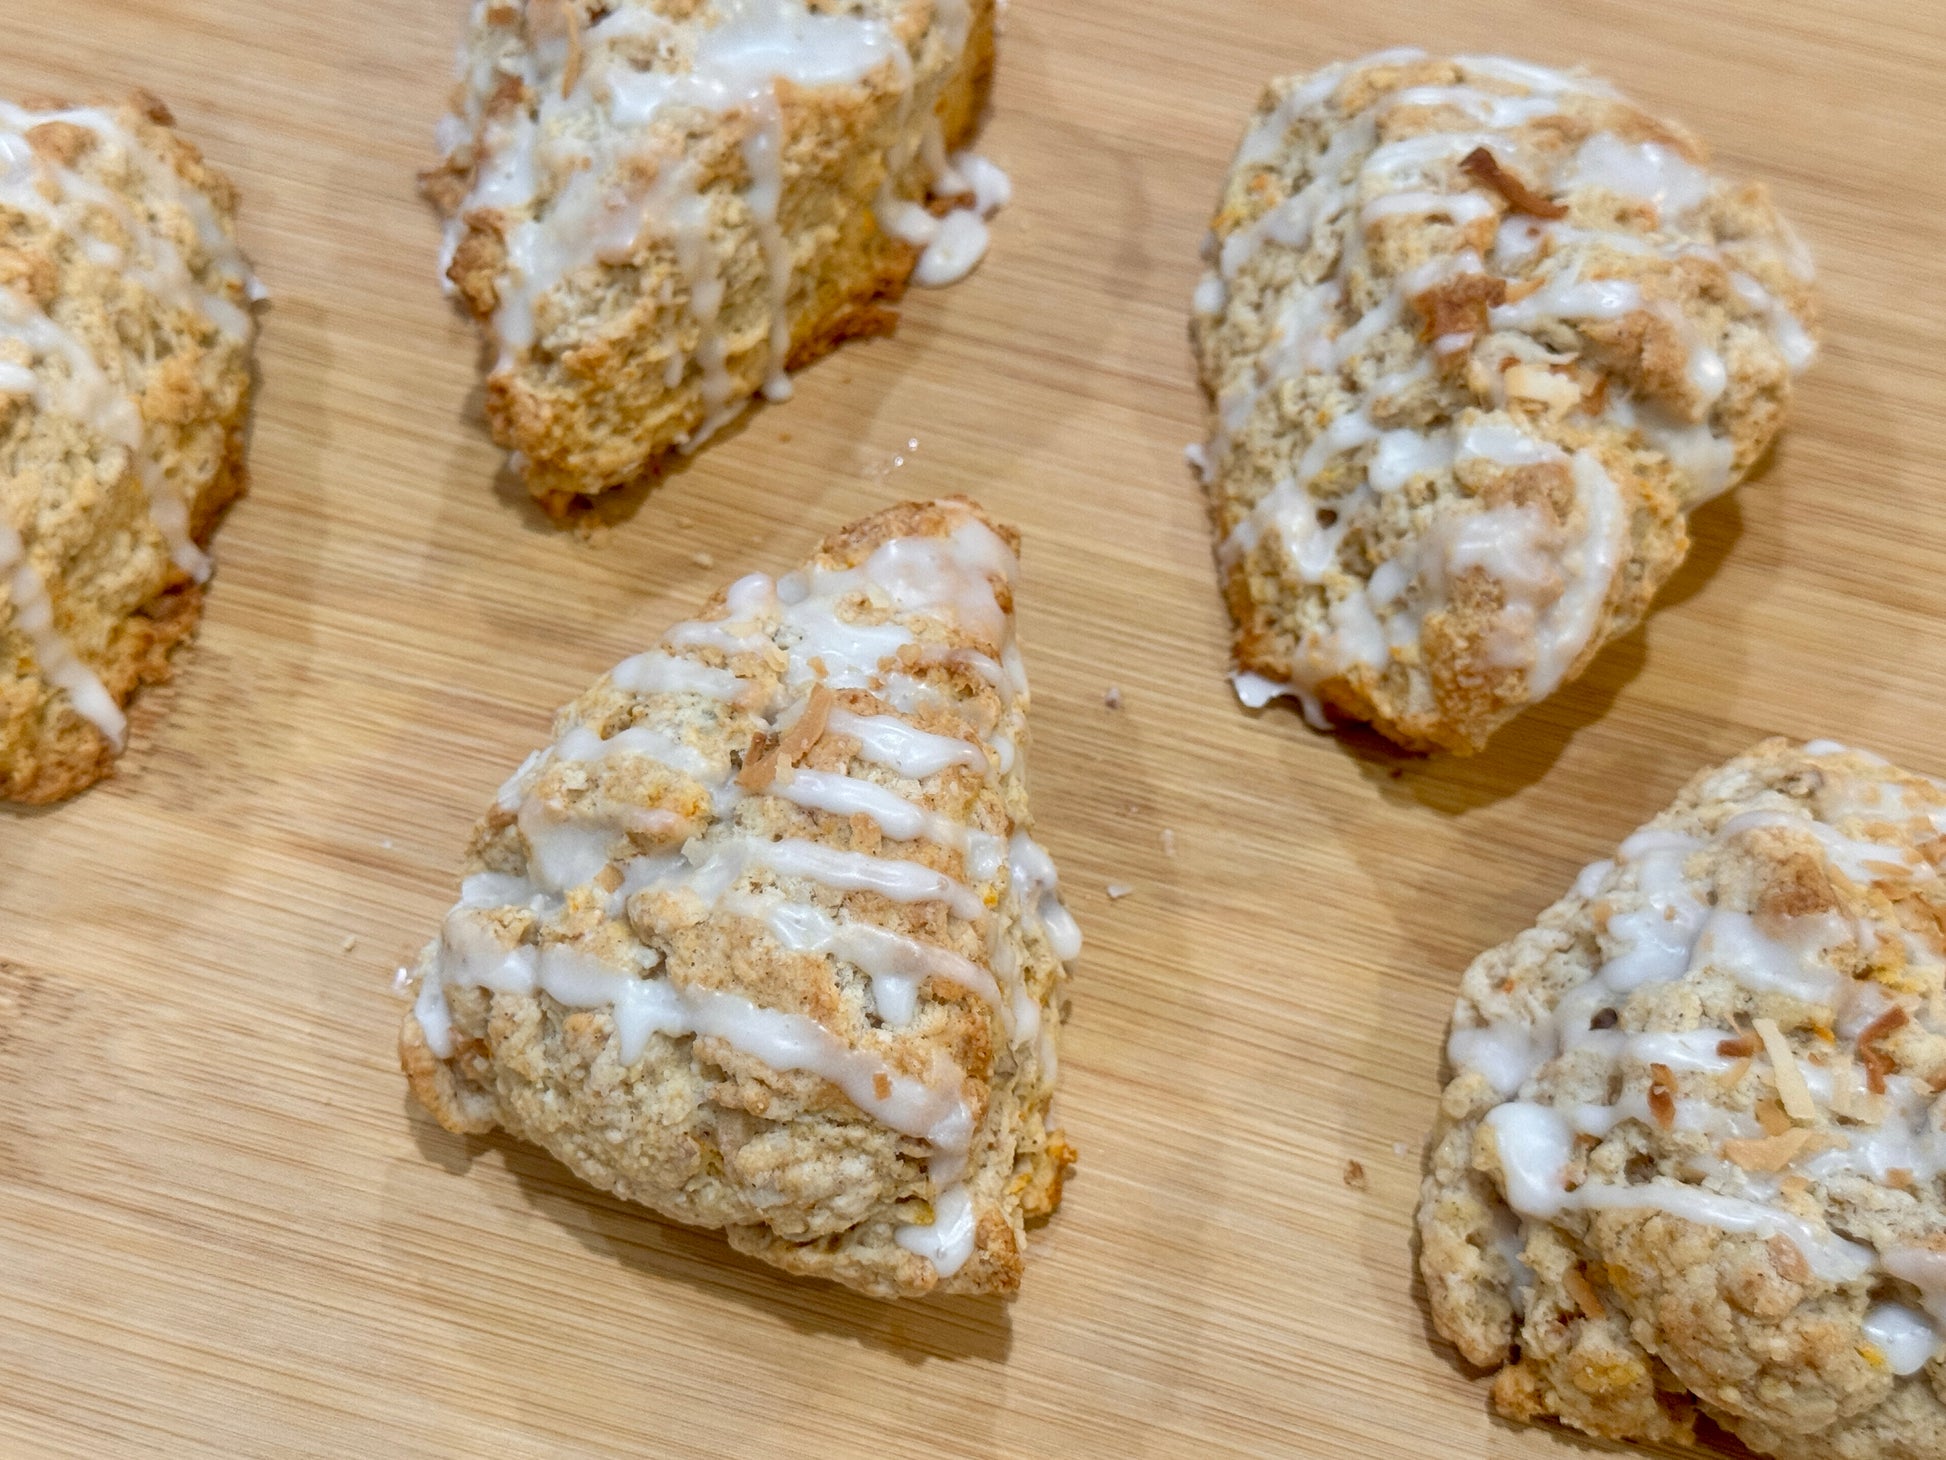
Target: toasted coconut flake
pixel 571 70
pixel 1788 1258
pixel 1736 1074
pixel 1879 1062
pixel 759 768
pixel 1841 1080
pixel 1741 1046
pixel 1772 1154
pixel 1584 1294
pixel 809 726
pixel 1900 1179
pixel 1484 168
pixel 1662 1096
pixel 1791 1089
pixel 1770 1115
pixel 1539 384
pixel 1459 306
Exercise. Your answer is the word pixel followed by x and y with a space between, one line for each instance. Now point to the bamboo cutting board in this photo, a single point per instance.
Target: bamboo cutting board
pixel 224 1229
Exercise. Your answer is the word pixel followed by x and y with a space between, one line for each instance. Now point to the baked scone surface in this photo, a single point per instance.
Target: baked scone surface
pixel 658 207
pixel 125 336
pixel 1477 336
pixel 764 941
pixel 1693 1154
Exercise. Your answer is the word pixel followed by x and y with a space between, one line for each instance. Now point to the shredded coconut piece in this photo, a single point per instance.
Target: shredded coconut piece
pixel 1773 1153
pixel 1791 1089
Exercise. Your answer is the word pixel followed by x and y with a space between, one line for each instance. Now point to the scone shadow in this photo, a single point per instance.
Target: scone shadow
pixel 658 1252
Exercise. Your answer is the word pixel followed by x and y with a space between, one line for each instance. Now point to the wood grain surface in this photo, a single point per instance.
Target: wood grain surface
pixel 223 1228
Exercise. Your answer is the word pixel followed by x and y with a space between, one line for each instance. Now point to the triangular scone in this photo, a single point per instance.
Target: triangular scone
pixel 656 210
pixel 763 940
pixel 1691 1158
pixel 1478 336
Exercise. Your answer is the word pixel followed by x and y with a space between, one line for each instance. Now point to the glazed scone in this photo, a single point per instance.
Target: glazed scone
pixel 764 941
pixel 1477 335
pixel 657 208
pixel 1693 1155
pixel 125 337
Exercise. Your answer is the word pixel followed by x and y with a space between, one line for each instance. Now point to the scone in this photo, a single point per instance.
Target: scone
pixel 657 208
pixel 1477 335
pixel 125 337
pixel 1693 1156
pixel 764 941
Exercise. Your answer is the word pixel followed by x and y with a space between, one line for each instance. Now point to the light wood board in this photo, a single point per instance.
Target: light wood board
pixel 223 1228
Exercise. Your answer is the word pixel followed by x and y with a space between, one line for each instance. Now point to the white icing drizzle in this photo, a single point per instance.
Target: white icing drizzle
pixel 897 965
pixel 1556 585
pixel 1676 934
pixel 948 1240
pixel 1536 1145
pixel 33 613
pixel 888 741
pixel 659 672
pixel 821 620
pixel 1555 598
pixel 1925 1269
pixel 472 957
pixel 1905 1339
pixel 729 60
pixel 954 245
pixel 1254 691
pixel 898 818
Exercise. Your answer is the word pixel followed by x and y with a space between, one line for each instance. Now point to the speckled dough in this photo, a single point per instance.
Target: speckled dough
pixel 125 338
pixel 656 207
pixel 763 940
pixel 1478 336
pixel 1693 1155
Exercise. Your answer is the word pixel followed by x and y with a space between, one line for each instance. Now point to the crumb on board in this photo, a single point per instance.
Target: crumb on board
pixel 1113 697
pixel 1168 842
pixel 702 560
pixel 1355 1176
pixel 350 942
pixel 1119 890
